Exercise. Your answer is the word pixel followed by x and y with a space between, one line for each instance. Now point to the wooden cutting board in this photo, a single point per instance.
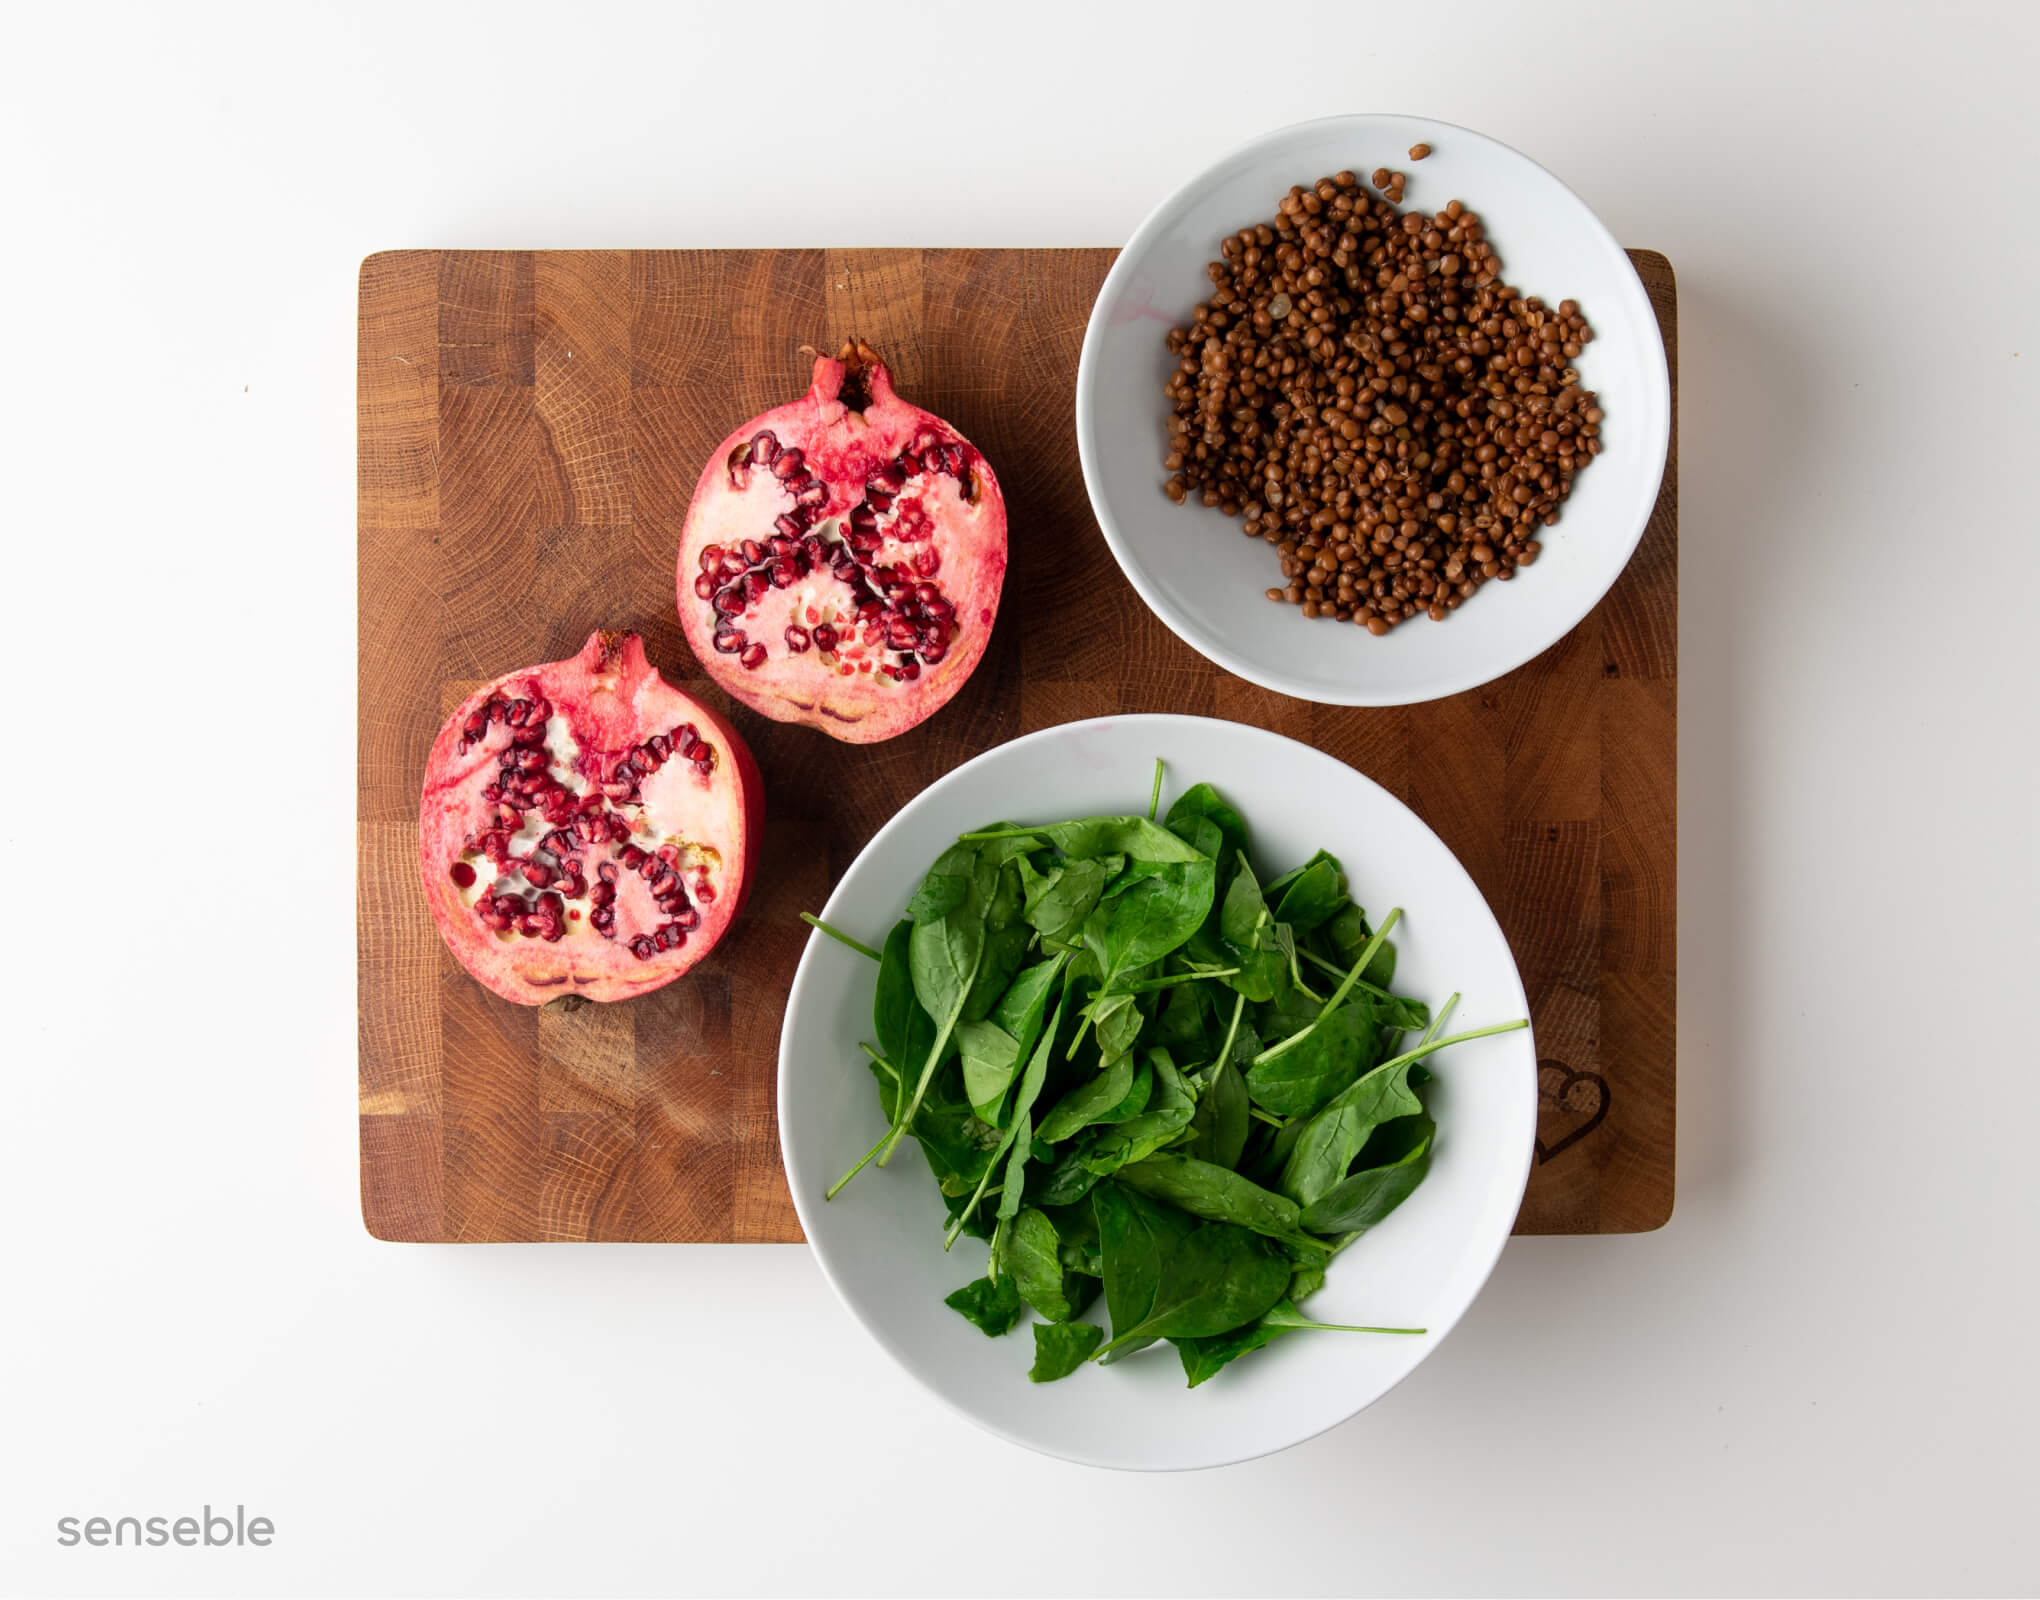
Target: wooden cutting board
pixel 531 426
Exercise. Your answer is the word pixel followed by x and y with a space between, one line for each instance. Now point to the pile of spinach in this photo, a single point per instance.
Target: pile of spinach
pixel 1134 1067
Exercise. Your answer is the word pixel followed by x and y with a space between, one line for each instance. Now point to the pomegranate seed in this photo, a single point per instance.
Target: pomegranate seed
pixel 633 857
pixel 927 562
pixel 642 948
pixel 878 499
pixel 462 874
pixel 933 653
pixel 683 739
pixel 781 546
pixel 812 494
pixel 732 565
pixel 704 891
pixel 753 658
pixel 909 464
pixel 763 448
pixel 668 852
pixel 728 641
pixel 687 917
pixel 789 524
pixel 813 548
pixel 705 585
pixel 704 759
pixel 729 601
pixel 603 921
pixel 910 669
pixel 864 520
pixel 788 465
pixel 825 637
pixel 797 639
pixel 711 557
pixel 660 745
pixel 888 479
pixel 785 572
pixel 755 585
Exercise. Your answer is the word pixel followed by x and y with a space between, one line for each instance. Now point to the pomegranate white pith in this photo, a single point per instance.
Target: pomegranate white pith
pixel 843 557
pixel 586 828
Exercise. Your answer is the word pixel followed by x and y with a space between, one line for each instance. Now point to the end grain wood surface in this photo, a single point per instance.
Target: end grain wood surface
pixel 531 426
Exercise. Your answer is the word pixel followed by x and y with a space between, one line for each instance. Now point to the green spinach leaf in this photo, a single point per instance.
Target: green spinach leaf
pixel 991 1060
pixel 1362 1200
pixel 1218 1195
pixel 1215 1278
pixel 1330 1141
pixel 1202 802
pixel 1088 837
pixel 1204 1357
pixel 1062 1347
pixel 1137 1137
pixel 1313 896
pixel 1092 1101
pixel 1136 1240
pixel 1331 1055
pixel 993 1307
pixel 1218 1127
pixel 1031 1251
pixel 1249 934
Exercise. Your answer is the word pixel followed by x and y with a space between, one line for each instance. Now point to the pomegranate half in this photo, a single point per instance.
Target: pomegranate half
pixel 586 828
pixel 843 556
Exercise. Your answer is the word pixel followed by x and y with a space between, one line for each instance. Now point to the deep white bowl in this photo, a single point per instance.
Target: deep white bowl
pixel 880 1240
pixel 1191 564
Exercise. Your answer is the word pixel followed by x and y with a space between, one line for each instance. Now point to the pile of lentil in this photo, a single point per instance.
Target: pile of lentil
pixel 1370 397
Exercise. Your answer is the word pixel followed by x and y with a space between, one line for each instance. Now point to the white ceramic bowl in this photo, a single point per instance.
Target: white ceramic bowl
pixel 1191 564
pixel 880 1240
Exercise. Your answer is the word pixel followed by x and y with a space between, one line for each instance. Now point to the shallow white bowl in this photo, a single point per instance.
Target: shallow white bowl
pixel 1191 564
pixel 880 1240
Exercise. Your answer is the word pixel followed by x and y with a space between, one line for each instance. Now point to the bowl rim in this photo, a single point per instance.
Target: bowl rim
pixel 803 976
pixel 1215 649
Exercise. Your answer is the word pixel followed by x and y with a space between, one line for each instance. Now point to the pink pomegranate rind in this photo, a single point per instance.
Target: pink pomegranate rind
pixel 586 828
pixel 843 556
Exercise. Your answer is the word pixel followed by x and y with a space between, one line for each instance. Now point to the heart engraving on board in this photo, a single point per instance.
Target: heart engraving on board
pixel 1571 1104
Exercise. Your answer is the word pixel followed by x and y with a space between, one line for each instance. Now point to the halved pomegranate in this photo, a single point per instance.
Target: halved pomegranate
pixel 586 828
pixel 843 556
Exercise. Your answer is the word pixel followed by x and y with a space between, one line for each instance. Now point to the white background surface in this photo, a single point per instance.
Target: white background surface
pixel 1819 1377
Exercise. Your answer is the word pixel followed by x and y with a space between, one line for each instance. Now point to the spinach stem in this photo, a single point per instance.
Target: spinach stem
pixel 864 1161
pixel 911 1110
pixel 1233 1032
pixel 1168 980
pixel 839 936
pixel 1272 1121
pixel 1438 1022
pixel 999 833
pixel 881 1060
pixel 1282 1047
pixel 1351 1327
pixel 1339 972
pixel 1155 799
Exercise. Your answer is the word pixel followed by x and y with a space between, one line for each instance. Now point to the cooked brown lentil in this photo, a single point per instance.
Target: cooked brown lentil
pixel 1369 396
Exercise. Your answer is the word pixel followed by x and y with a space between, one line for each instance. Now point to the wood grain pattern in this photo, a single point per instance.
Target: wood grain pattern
pixel 531 427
